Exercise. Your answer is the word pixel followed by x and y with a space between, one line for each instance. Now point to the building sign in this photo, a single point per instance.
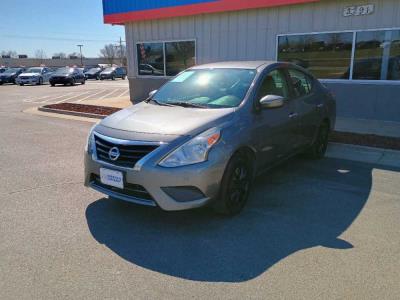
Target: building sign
pixel 360 10
pixel 119 12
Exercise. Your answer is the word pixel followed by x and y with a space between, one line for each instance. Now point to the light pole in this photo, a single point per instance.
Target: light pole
pixel 80 50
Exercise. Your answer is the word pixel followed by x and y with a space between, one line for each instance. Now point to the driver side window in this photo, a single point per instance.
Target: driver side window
pixel 274 84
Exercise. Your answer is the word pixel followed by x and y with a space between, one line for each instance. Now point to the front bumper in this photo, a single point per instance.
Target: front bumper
pixel 65 80
pixel 30 80
pixel 157 181
pixel 6 80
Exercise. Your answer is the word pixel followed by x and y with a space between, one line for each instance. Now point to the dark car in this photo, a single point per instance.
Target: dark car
pixel 66 76
pixel 113 73
pixel 203 136
pixel 93 73
pixel 2 70
pixel 10 75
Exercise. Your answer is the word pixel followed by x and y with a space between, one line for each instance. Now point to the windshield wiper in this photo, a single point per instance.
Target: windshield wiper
pixel 187 104
pixel 156 102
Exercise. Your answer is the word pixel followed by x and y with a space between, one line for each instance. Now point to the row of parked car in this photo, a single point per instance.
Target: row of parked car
pixel 65 75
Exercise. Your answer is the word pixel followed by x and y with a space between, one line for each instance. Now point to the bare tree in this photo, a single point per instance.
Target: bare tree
pixel 10 53
pixel 121 52
pixel 40 54
pixel 110 53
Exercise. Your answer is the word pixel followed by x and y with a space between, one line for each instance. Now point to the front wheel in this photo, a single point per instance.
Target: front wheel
pixel 320 145
pixel 21 84
pixel 83 81
pixel 235 186
pixel 40 82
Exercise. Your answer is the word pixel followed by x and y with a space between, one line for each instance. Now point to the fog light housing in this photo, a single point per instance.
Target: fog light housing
pixel 184 193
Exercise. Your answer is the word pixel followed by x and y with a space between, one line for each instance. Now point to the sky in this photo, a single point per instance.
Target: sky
pixel 55 26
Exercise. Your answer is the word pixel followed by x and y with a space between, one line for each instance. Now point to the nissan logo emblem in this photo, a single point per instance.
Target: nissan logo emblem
pixel 114 153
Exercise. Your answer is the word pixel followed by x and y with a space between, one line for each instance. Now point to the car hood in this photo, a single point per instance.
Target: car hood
pixel 30 74
pixel 168 120
pixel 7 75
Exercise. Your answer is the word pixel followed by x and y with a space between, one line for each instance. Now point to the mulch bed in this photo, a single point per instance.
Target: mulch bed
pixel 83 108
pixel 369 140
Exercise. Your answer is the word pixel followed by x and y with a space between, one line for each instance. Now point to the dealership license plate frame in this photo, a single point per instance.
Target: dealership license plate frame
pixel 112 178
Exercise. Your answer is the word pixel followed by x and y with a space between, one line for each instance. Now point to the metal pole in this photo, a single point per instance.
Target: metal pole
pixel 80 49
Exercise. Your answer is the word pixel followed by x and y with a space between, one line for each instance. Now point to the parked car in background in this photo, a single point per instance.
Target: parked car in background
pixel 66 76
pixel 113 73
pixel 35 75
pixel 2 69
pixel 10 75
pixel 146 69
pixel 202 138
pixel 93 73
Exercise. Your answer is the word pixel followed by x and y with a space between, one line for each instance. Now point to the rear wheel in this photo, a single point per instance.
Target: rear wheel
pixel 83 81
pixel 21 84
pixel 113 78
pixel 40 82
pixel 123 77
pixel 318 148
pixel 235 186
pixel 52 84
pixel 73 82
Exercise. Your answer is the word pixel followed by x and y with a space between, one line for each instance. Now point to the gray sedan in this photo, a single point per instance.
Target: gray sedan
pixel 203 136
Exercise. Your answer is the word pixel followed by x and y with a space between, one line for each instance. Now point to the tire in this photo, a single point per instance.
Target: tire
pixel 235 186
pixel 53 84
pixel 97 77
pixel 83 81
pixel 123 77
pixel 318 149
pixel 21 84
pixel 73 82
pixel 40 81
pixel 113 78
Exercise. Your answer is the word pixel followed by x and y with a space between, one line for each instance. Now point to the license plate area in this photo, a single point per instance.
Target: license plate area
pixel 112 178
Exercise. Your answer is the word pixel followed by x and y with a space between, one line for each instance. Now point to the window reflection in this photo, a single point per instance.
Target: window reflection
pixel 150 59
pixel 179 56
pixel 327 55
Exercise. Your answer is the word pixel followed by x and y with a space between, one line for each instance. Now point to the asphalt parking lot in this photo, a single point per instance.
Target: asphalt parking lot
pixel 313 229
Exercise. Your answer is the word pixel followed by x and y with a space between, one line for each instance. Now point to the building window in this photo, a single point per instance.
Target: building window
pixel 377 55
pixel 325 55
pixel 151 59
pixel 330 55
pixel 165 58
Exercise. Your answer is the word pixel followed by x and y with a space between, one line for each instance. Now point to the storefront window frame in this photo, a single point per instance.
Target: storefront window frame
pixel 164 42
pixel 353 53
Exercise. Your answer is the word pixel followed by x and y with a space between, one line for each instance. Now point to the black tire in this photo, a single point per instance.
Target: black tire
pixel 21 84
pixel 319 146
pixel 235 186
pixel 123 77
pixel 83 82
pixel 113 78
pixel 53 84
pixel 97 77
pixel 1 83
pixel 40 81
pixel 73 82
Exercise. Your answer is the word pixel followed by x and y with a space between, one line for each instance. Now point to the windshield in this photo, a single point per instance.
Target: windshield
pixel 64 71
pixel 109 70
pixel 34 70
pixel 11 71
pixel 215 88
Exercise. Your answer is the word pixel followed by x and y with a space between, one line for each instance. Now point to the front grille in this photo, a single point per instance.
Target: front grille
pixel 129 154
pixel 130 190
pixel 25 77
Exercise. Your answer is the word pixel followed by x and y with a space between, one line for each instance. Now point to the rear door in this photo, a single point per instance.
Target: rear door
pixel 307 103
pixel 277 127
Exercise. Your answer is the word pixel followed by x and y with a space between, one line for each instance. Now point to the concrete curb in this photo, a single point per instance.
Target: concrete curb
pixel 71 113
pixel 365 154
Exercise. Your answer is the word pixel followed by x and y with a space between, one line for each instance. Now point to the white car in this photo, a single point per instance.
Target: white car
pixel 36 75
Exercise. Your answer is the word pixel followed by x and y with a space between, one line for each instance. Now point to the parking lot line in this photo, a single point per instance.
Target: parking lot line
pixel 55 98
pixel 108 94
pixel 123 93
pixel 72 97
pixel 90 96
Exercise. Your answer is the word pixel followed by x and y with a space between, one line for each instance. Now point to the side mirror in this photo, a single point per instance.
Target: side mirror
pixel 272 101
pixel 152 93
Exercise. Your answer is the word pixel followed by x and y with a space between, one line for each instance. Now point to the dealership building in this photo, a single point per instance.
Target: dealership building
pixel 352 46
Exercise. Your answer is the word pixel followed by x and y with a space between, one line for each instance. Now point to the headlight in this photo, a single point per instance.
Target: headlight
pixel 194 151
pixel 90 145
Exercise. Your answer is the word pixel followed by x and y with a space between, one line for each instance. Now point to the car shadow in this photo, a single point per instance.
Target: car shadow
pixel 300 205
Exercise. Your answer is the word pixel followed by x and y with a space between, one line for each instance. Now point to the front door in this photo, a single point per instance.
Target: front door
pixel 276 127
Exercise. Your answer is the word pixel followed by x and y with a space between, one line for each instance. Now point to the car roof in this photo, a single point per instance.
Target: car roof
pixel 236 65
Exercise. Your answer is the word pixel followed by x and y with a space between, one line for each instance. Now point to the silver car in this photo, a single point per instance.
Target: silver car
pixel 35 75
pixel 203 136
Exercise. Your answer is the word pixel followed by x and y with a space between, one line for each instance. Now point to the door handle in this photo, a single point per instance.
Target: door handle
pixel 293 115
pixel 321 105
